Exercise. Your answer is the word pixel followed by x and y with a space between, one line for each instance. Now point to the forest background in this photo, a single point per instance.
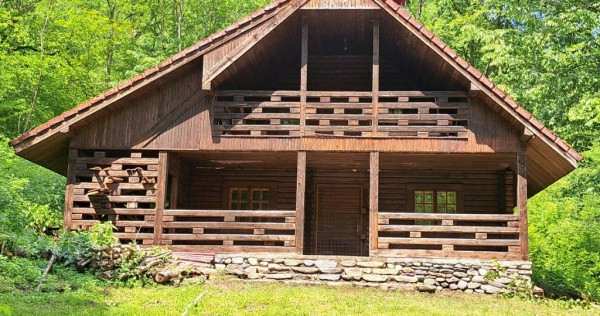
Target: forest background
pixel 55 54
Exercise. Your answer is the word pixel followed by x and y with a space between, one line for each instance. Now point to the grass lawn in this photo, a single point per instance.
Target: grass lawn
pixel 230 297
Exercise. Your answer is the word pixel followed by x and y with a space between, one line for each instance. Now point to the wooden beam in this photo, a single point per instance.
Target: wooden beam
pixel 195 99
pixel 373 202
pixel 474 90
pixel 210 74
pixel 303 76
pixel 522 204
pixel 300 196
pixel 71 179
pixel 527 136
pixel 375 84
pixel 161 195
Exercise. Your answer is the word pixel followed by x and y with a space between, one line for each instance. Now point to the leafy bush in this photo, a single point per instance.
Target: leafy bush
pixel 565 232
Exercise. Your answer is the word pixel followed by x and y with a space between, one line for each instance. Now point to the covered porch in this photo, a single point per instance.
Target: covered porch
pixel 311 203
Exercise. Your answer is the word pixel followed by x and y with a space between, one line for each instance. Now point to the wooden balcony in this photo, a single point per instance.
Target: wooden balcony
pixel 425 114
pixel 449 235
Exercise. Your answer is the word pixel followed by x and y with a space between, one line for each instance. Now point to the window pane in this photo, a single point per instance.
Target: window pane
pixel 243 206
pixel 451 208
pixel 244 194
pixel 429 197
pixel 428 208
pixel 418 196
pixel 441 197
pixel 255 195
pixel 418 208
pixel 265 195
pixel 451 197
pixel 255 206
pixel 235 206
pixel 234 194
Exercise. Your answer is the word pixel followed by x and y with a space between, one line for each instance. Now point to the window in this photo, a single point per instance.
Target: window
pixel 249 198
pixel 434 201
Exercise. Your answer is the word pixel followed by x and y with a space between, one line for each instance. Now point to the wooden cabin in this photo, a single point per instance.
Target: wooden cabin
pixel 311 127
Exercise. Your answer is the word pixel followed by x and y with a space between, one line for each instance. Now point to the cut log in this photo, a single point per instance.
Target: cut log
pixel 96 169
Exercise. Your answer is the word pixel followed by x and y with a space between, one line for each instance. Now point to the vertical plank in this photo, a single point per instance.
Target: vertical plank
pixel 373 201
pixel 303 77
pixel 71 179
pixel 375 85
pixel 161 195
pixel 300 197
pixel 522 204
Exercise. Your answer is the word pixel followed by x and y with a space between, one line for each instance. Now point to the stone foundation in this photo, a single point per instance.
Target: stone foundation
pixel 426 275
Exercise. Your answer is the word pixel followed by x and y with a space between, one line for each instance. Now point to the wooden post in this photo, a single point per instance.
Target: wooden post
pixel 70 192
pixel 303 76
pixel 300 195
pixel 373 202
pixel 522 204
pixel 161 195
pixel 375 84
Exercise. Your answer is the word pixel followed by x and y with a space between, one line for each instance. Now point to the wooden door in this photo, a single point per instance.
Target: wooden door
pixel 339 221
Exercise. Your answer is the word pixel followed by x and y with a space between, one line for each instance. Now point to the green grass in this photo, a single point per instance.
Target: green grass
pixel 229 297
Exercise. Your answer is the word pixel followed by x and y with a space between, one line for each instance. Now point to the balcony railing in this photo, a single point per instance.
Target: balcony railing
pixel 449 235
pixel 342 114
pixel 242 230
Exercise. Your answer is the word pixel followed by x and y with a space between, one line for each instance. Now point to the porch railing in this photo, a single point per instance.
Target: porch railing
pixel 341 113
pixel 235 230
pixel 449 235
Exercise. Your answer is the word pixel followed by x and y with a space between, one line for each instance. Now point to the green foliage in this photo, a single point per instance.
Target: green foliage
pixel 565 229
pixel 75 247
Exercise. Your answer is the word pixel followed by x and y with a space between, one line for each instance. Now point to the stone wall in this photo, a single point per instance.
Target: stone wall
pixel 426 275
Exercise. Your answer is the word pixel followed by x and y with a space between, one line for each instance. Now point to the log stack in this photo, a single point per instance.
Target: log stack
pixel 156 263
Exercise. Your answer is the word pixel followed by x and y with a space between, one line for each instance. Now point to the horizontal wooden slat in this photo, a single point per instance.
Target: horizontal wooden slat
pixel 447 254
pixel 231 225
pixel 233 249
pixel 115 199
pixel 448 229
pixel 123 185
pixel 448 241
pixel 234 237
pixel 221 213
pixel 257 93
pixel 116 223
pixel 114 211
pixel 252 127
pixel 116 173
pixel 457 217
pixel 134 235
pixel 454 94
pixel 124 161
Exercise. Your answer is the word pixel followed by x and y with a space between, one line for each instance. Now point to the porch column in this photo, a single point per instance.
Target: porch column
pixel 70 192
pixel 373 202
pixel 161 196
pixel 300 193
pixel 522 204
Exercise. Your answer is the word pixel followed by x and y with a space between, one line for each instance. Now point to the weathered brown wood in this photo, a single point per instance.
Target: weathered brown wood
pixel 300 200
pixel 70 190
pixel 522 204
pixel 449 241
pixel 449 229
pixel 303 75
pixel 373 201
pixel 220 213
pixel 456 217
pixel 161 196
pixel 447 254
pixel 236 53
pixel 375 80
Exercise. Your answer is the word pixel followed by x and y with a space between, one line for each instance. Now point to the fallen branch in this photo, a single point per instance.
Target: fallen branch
pixel 37 289
pixel 194 303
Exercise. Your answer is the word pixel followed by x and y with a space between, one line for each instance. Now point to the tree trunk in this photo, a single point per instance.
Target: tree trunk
pixel 41 72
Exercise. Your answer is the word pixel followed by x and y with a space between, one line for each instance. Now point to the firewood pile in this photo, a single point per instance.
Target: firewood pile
pixel 121 261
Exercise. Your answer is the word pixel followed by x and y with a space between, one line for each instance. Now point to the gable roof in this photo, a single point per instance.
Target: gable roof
pixel 80 115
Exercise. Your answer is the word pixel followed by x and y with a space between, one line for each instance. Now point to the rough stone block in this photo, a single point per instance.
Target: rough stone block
pixel 329 277
pixel 348 263
pixel 374 278
pixel 292 262
pixel 462 285
pixel 406 279
pixel 386 271
pixel 331 270
pixel 279 276
pixel 426 288
pixel 325 263
pixel 473 285
pixel 253 261
pixel 371 264
pixel 237 260
pixel 306 270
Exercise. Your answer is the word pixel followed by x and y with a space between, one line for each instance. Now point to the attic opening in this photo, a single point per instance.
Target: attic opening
pixel 340 56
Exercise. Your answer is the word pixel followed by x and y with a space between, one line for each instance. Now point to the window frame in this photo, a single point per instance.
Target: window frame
pixel 412 188
pixel 250 186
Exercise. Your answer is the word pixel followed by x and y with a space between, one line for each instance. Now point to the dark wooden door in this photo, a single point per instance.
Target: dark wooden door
pixel 339 220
